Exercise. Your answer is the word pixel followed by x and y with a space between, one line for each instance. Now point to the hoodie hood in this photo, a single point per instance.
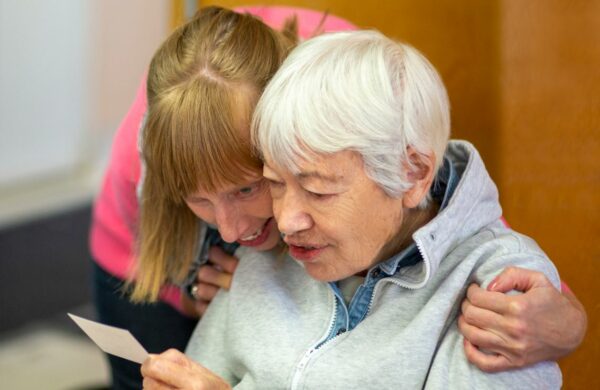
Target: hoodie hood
pixel 473 206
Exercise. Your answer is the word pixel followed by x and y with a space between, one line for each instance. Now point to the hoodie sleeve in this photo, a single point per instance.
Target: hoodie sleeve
pixel 451 369
pixel 208 344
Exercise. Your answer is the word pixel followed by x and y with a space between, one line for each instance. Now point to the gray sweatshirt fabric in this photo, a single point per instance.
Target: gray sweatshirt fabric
pixel 263 333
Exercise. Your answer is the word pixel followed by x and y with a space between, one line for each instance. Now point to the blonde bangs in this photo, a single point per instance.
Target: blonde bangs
pixel 202 87
pixel 205 136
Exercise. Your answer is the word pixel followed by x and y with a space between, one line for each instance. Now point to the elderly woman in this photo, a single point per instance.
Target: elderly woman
pixel 387 224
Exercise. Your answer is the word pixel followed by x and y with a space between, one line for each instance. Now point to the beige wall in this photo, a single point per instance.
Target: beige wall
pixel 124 36
pixel 523 79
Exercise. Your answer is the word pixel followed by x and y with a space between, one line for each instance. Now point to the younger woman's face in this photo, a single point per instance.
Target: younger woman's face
pixel 242 212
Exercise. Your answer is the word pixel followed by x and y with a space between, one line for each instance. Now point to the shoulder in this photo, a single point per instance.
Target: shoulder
pixel 272 276
pixel 496 247
pixel 272 267
pixel 252 262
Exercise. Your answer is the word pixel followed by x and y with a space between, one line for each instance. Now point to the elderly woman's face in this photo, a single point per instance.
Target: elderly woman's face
pixel 335 219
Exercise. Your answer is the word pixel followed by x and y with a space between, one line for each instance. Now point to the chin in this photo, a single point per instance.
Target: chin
pixel 317 272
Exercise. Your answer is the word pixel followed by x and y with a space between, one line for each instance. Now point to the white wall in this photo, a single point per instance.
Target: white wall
pixel 68 72
pixel 42 92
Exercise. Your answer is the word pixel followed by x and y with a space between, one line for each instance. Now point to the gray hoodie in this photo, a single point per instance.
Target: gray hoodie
pixel 272 330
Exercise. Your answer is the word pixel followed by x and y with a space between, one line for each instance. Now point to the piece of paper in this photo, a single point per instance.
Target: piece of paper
pixel 115 341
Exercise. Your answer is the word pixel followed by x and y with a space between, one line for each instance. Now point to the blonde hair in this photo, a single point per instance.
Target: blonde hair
pixel 203 84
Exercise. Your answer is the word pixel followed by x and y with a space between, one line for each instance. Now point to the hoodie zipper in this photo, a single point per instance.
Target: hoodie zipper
pixel 397 282
pixel 322 342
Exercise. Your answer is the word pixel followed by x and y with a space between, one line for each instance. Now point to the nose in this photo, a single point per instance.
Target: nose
pixel 228 222
pixel 291 214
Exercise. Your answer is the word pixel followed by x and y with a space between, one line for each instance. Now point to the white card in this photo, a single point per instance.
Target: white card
pixel 115 341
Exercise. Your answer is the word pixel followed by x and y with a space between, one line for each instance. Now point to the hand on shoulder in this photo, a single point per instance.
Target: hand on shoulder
pixel 520 330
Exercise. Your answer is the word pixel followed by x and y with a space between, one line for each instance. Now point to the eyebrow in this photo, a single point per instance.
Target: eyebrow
pixel 333 178
pixel 309 175
pixel 194 198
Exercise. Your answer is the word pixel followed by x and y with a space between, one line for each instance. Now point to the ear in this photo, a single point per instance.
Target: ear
pixel 420 174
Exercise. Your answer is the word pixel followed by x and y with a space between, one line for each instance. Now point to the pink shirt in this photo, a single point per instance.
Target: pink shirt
pixel 112 234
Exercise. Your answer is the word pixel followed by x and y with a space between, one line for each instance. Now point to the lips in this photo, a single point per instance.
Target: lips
pixel 304 251
pixel 258 237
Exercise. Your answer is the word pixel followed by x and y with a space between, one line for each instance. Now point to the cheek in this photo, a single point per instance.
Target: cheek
pixel 346 221
pixel 363 230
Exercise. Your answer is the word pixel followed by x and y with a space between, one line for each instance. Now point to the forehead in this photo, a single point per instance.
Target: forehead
pixel 336 167
pixel 227 188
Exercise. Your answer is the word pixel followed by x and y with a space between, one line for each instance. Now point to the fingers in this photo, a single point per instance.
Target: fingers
pixel 208 274
pixel 175 356
pixel 494 311
pixel 188 306
pixel 480 317
pixel 147 369
pixel 219 257
pixel 151 384
pixel 216 275
pixel 565 289
pixel 486 339
pixel 210 279
pixel 489 300
pixel 484 361
pixel 201 307
pixel 205 292
pixel 164 371
pixel 173 370
pixel 520 279
pixel 516 329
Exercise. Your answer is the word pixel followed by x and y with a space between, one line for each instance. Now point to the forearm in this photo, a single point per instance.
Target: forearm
pixel 576 317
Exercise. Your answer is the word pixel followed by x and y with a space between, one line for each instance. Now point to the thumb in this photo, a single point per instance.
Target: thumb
pixel 175 356
pixel 520 279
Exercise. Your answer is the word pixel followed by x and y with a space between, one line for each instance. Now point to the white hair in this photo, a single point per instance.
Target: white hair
pixel 356 91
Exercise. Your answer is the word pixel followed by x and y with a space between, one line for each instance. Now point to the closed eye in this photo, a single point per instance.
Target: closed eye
pixel 319 196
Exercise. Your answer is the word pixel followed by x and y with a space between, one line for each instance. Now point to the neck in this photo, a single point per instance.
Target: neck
pixel 413 220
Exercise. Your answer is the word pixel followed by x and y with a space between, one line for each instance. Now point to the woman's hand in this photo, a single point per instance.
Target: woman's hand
pixel 519 330
pixel 217 273
pixel 173 370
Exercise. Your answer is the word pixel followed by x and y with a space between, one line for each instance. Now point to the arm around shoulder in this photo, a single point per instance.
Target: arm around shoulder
pixel 540 324
pixel 455 349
